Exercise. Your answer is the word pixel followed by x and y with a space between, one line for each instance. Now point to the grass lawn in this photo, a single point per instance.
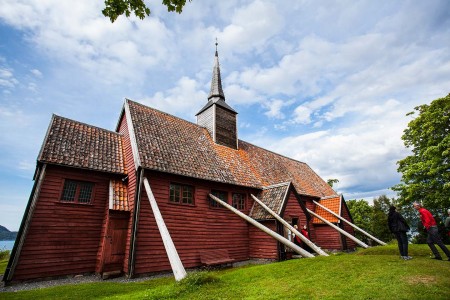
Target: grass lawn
pixel 374 273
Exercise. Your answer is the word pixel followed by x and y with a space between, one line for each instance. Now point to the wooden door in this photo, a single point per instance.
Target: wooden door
pixel 115 240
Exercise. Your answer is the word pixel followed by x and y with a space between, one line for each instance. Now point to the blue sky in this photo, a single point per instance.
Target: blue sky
pixel 328 83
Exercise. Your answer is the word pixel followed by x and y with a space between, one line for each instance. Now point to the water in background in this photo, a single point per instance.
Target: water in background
pixel 6 245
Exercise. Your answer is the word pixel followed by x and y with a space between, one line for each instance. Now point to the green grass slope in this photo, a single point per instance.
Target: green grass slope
pixel 374 273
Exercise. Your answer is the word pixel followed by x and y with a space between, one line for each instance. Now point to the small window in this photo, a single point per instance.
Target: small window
pixel 221 195
pixel 238 201
pixel 183 194
pixel 77 191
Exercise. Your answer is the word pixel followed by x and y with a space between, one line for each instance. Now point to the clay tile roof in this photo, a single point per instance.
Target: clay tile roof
pixel 169 144
pixel 74 144
pixel 119 196
pixel 333 204
pixel 273 197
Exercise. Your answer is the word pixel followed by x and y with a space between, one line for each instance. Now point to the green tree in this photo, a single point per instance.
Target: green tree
pixel 379 223
pixel 115 8
pixel 331 182
pixel 426 173
pixel 361 213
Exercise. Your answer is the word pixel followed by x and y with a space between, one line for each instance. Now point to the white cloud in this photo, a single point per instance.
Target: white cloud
pixel 302 114
pixel 185 99
pixel 7 79
pixel 251 27
pixel 274 108
pixel 79 34
pixel 36 73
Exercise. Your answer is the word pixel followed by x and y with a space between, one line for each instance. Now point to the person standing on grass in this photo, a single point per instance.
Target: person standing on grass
pixel 447 222
pixel 398 226
pixel 433 237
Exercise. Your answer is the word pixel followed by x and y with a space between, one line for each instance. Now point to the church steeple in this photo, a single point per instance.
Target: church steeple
pixel 216 82
pixel 217 116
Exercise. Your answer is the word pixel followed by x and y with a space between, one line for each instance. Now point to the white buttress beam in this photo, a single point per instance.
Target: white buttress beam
pixel 174 259
pixel 362 244
pixel 291 228
pixel 273 234
pixel 351 224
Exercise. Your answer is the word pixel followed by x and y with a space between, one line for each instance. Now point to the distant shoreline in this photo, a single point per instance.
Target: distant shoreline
pixel 6 245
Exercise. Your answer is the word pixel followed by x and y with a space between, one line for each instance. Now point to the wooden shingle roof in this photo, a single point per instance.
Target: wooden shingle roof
pixel 74 144
pixel 272 196
pixel 169 144
pixel 333 204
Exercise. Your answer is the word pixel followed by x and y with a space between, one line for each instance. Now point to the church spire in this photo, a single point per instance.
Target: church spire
pixel 216 82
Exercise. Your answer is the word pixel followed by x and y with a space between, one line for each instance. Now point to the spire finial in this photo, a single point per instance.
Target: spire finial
pixel 216 47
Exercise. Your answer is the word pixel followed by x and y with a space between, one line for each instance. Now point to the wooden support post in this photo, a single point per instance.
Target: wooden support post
pixel 270 232
pixel 174 259
pixel 351 224
pixel 291 228
pixel 362 244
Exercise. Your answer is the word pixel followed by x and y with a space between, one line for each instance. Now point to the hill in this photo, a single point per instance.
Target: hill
pixel 6 235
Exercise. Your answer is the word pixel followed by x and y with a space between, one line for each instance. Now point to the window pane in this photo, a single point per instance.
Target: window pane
pixel 70 188
pixel 219 194
pixel 238 201
pixel 188 195
pixel 85 192
pixel 175 193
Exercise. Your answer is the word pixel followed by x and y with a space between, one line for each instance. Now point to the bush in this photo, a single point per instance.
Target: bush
pixel 4 254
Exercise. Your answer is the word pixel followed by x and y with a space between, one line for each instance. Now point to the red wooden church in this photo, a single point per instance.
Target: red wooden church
pixel 88 210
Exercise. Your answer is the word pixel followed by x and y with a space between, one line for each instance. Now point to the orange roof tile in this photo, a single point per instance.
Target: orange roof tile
pixel 333 204
pixel 169 144
pixel 119 196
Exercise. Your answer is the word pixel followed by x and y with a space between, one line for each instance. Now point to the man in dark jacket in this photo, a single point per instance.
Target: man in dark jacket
pixel 398 226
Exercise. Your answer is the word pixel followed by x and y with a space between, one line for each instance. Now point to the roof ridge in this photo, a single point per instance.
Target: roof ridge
pixel 162 112
pixel 86 124
pixel 282 155
pixel 276 185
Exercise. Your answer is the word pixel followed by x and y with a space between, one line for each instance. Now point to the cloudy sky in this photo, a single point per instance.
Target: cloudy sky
pixel 324 82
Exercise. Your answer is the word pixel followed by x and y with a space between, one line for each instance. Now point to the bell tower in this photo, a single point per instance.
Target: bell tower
pixel 217 116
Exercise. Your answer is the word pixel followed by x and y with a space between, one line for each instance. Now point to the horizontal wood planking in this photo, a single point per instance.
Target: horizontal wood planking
pixel 123 129
pixel 327 237
pixel 346 215
pixel 193 228
pixel 263 246
pixel 61 234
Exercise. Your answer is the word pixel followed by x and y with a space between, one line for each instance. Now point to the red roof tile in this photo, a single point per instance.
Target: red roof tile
pixel 169 144
pixel 333 204
pixel 119 196
pixel 74 144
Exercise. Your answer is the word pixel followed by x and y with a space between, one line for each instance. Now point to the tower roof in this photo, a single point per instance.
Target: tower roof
pixel 216 95
pixel 216 82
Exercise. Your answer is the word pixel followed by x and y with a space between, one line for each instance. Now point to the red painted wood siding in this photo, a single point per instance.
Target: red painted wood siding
pixel 310 205
pixel 262 245
pixel 131 169
pixel 192 228
pixel 63 238
pixel 327 237
pixel 346 215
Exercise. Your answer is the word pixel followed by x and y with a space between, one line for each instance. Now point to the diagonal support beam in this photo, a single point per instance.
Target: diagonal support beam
pixel 362 244
pixel 291 228
pixel 174 259
pixel 270 232
pixel 351 224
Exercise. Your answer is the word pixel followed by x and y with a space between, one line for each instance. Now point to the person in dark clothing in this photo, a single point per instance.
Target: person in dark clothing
pixel 398 226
